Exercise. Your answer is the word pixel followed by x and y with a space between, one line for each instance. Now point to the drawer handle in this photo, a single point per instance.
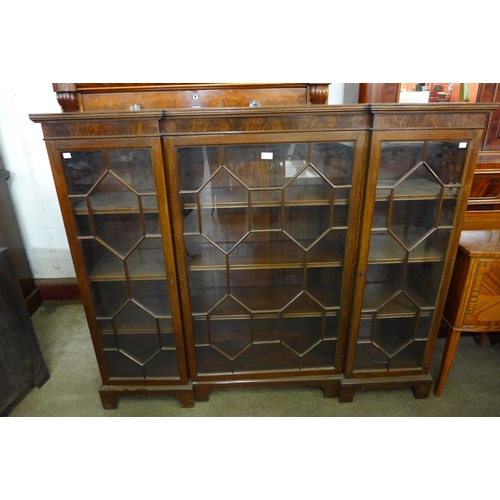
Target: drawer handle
pixel 255 104
pixel 134 107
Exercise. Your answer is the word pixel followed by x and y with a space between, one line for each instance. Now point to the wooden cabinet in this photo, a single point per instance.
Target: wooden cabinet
pixel 147 96
pixel 473 304
pixel 283 245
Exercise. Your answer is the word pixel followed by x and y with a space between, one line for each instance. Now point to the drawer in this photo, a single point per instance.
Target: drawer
pixel 164 99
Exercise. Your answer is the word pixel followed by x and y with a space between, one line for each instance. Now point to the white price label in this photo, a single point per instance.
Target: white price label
pixel 66 156
pixel 462 145
pixel 266 156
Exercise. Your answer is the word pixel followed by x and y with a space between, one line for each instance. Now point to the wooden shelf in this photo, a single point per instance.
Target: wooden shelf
pixel 239 197
pixel 378 294
pixel 287 255
pixel 267 299
pixel 143 264
pixel 410 189
pixel 385 249
pixel 116 203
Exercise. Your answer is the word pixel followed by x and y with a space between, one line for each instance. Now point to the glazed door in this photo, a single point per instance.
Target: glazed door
pixel 414 199
pixel 266 249
pixel 113 197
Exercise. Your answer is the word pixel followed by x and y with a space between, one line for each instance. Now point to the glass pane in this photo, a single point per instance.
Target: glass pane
pixel 419 182
pixel 410 357
pixel 207 289
pixel 82 170
pixel 306 224
pixel 383 281
pixel 447 160
pixel 265 329
pixel 152 296
pixel 390 335
pixel 202 252
pixel 146 260
pixel 393 346
pixel 322 354
pixel 328 249
pixel 152 224
pixel 341 214
pixel 412 220
pixel 380 214
pixel 265 218
pixel 448 212
pixel 196 165
pixel 100 262
pixel 307 187
pixel 323 283
pixel 200 329
pixel 265 289
pixel 112 194
pixel 162 365
pixel 109 297
pixel 422 282
pixel 231 336
pixel 190 213
pixel 268 249
pixel 384 246
pixel 331 326
pixel 397 159
pixel 122 366
pixel 301 334
pixel 334 160
pixel 265 165
pixel 83 225
pixel 423 327
pixel 225 227
pixel 433 247
pixel 133 318
pixel 133 167
pixel 121 232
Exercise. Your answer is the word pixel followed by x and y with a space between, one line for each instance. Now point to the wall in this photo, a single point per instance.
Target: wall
pixel 23 152
pixel 31 184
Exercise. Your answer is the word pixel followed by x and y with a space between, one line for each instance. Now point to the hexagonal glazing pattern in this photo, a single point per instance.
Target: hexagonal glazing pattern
pixel 230 328
pixel 113 192
pixel 120 231
pixel 220 225
pixel 269 215
pixel 301 222
pixel 417 190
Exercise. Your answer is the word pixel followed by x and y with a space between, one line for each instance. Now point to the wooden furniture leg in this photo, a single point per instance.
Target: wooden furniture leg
pixel 482 338
pixel 452 339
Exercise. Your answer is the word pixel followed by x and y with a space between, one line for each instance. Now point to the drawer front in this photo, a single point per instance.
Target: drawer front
pixel 483 308
pixel 194 98
pixel 485 188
